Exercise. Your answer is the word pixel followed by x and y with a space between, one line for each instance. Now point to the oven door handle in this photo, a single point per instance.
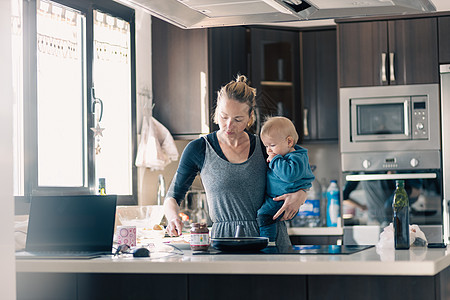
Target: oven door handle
pixel 368 177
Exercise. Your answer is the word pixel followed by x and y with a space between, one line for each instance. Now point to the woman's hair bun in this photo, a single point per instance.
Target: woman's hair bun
pixel 241 78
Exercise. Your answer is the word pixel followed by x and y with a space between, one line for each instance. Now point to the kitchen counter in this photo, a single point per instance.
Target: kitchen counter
pixel 418 273
pixel 420 261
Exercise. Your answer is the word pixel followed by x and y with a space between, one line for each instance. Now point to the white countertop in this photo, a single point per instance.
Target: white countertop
pixel 416 261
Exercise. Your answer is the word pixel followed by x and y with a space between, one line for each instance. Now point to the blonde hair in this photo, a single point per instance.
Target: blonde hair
pixel 279 126
pixel 240 91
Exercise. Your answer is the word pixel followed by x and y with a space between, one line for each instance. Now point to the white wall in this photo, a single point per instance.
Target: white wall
pixel 7 260
pixel 143 77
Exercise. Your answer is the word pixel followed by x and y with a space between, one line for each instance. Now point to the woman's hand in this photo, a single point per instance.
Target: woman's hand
pixel 174 227
pixel 171 211
pixel 292 203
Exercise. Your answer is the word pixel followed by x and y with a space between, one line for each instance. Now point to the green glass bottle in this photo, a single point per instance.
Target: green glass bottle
pixel 401 216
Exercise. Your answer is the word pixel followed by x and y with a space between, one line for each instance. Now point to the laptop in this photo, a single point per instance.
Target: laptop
pixel 70 227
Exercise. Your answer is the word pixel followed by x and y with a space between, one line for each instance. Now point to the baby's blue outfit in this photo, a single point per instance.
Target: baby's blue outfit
pixel 286 174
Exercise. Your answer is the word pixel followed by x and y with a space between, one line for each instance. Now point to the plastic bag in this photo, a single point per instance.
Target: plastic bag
pixel 416 237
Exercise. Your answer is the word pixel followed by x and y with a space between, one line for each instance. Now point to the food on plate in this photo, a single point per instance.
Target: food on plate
pixel 183 239
pixel 157 227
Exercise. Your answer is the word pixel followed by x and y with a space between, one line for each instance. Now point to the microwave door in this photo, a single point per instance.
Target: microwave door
pixel 380 119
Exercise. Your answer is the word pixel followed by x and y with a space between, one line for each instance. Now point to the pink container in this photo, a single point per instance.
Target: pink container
pixel 126 235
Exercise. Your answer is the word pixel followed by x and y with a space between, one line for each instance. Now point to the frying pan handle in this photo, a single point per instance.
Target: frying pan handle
pixel 239 231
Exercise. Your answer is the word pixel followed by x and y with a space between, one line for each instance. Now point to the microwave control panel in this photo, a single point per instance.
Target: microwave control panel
pixel 419 118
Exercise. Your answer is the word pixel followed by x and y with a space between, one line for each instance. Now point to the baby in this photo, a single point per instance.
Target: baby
pixel 289 170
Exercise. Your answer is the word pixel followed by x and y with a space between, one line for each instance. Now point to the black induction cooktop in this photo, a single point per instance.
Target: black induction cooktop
pixel 297 250
pixel 317 249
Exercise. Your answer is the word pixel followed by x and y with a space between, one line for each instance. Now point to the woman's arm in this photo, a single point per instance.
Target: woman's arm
pixel 171 211
pixel 190 164
pixel 292 203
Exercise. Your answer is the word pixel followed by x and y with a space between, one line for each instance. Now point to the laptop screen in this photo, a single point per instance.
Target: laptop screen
pixel 71 223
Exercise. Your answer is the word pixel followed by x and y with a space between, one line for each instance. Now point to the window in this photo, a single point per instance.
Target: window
pixel 75 122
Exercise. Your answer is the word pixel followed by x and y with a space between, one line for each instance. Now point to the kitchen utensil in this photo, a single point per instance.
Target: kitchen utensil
pixel 197 201
pixel 239 243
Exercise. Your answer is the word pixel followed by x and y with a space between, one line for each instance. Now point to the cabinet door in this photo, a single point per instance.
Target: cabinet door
pixel 319 85
pixel 362 53
pixel 414 49
pixel 227 58
pixel 275 72
pixel 444 40
pixel 180 72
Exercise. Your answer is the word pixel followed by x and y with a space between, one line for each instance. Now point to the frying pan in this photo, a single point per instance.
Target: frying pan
pixel 238 243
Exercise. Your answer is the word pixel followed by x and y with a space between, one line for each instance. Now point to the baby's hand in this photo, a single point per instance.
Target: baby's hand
pixel 270 157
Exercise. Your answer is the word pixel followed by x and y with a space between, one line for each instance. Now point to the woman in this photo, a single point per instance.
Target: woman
pixel 232 166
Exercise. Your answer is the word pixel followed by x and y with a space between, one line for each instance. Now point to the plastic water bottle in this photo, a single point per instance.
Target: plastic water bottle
pixel 333 209
pixel 323 204
pixel 309 213
pixel 310 210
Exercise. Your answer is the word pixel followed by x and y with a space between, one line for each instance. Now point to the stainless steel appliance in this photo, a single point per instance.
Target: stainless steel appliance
pixel 389 133
pixel 445 119
pixel 389 118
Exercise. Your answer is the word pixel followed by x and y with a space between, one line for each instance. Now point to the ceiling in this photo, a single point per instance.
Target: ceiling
pixel 441 5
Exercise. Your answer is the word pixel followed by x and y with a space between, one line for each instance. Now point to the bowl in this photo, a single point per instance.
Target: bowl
pixel 146 218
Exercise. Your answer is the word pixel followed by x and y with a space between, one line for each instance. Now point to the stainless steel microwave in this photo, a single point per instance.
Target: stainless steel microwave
pixel 390 118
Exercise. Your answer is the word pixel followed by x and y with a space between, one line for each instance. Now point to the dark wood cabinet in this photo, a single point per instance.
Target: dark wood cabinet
pixel 70 286
pixel 275 66
pixel 393 52
pixel 227 58
pixel 247 286
pixel 444 39
pixel 319 88
pixel 179 75
pixel 189 67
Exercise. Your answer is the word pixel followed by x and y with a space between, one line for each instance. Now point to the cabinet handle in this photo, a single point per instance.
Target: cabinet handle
pixel 305 122
pixel 391 66
pixel 383 67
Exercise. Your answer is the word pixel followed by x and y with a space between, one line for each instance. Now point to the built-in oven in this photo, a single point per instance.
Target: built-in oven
pixel 389 133
pixel 423 185
pixel 371 191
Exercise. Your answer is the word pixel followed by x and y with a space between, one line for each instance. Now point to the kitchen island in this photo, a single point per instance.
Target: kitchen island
pixel 418 273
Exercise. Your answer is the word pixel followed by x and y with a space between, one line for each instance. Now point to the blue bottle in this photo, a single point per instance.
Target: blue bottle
pixel 333 209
